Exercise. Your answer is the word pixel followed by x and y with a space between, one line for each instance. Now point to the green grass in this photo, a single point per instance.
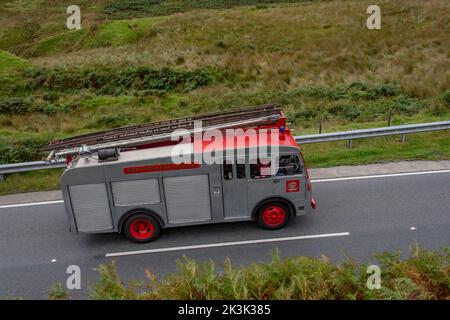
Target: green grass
pixel 58 43
pixel 11 68
pixel 422 275
pixel 94 101
pixel 113 33
pixel 10 63
pixel 121 32
pixel 15 36
pixel 31 181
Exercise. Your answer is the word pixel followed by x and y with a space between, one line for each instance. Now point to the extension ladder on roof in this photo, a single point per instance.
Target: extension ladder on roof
pixel 133 136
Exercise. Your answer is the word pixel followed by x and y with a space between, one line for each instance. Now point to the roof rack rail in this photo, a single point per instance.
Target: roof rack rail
pixel 136 135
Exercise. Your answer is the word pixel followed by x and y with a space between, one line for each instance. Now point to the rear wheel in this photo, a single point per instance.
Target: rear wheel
pixel 273 215
pixel 141 227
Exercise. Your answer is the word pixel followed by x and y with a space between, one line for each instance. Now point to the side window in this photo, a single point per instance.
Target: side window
pixel 260 170
pixel 289 165
pixel 240 170
pixel 227 171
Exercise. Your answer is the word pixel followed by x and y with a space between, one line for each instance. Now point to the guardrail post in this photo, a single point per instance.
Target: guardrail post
pixel 2 178
pixel 403 137
pixel 320 124
pixel 350 143
pixel 389 117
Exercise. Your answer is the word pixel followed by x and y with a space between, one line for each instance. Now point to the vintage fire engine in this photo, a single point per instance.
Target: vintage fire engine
pixel 125 180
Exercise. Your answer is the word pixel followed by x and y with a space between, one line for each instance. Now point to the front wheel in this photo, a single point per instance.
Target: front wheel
pixel 141 228
pixel 273 215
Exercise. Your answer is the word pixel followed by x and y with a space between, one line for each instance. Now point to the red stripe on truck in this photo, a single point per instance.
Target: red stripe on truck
pixel 160 167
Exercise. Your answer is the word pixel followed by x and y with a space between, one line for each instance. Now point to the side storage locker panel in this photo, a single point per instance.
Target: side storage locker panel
pixel 91 207
pixel 135 192
pixel 187 198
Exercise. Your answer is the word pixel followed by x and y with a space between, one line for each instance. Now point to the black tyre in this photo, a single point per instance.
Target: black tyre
pixel 273 215
pixel 141 227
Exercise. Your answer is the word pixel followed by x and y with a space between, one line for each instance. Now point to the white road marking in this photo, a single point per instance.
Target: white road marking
pixel 380 176
pixel 30 204
pixel 313 181
pixel 225 244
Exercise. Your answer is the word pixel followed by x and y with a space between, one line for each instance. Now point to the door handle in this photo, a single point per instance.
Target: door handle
pixel 276 180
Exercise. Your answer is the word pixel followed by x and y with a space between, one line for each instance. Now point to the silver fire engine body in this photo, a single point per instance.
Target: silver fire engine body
pixel 99 196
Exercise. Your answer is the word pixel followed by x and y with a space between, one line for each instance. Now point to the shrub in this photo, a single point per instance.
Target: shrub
pixel 324 92
pixel 110 286
pixel 302 113
pixel 50 96
pixel 386 90
pixel 21 149
pixel 20 105
pixel 354 90
pixel 446 98
pixel 15 105
pixel 424 275
pixel 52 108
pixel 57 291
pixel 375 110
pixel 441 105
pixel 110 121
pixel 180 60
pixel 139 8
pixel 408 105
pixel 103 81
pixel 345 111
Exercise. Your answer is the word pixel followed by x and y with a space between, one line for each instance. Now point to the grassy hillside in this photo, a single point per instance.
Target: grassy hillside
pixel 136 61
pixel 11 64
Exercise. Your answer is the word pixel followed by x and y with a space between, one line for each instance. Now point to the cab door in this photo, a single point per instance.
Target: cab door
pixel 260 182
pixel 290 179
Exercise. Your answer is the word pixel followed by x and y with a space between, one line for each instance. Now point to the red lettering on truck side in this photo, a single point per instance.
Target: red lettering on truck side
pixel 160 167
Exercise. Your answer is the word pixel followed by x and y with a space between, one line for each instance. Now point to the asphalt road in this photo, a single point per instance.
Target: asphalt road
pixel 379 214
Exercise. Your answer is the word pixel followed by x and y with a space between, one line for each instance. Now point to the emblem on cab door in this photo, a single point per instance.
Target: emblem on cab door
pixel 292 185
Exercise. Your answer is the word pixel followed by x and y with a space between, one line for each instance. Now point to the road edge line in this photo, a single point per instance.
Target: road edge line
pixel 380 176
pixel 224 244
pixel 30 204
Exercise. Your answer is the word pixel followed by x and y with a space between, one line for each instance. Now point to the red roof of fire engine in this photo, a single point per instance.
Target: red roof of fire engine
pixel 267 136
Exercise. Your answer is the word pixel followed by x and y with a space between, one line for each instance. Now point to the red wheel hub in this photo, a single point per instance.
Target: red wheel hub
pixel 274 215
pixel 141 229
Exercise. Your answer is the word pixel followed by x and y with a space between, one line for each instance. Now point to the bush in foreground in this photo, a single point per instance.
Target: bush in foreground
pixel 423 275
